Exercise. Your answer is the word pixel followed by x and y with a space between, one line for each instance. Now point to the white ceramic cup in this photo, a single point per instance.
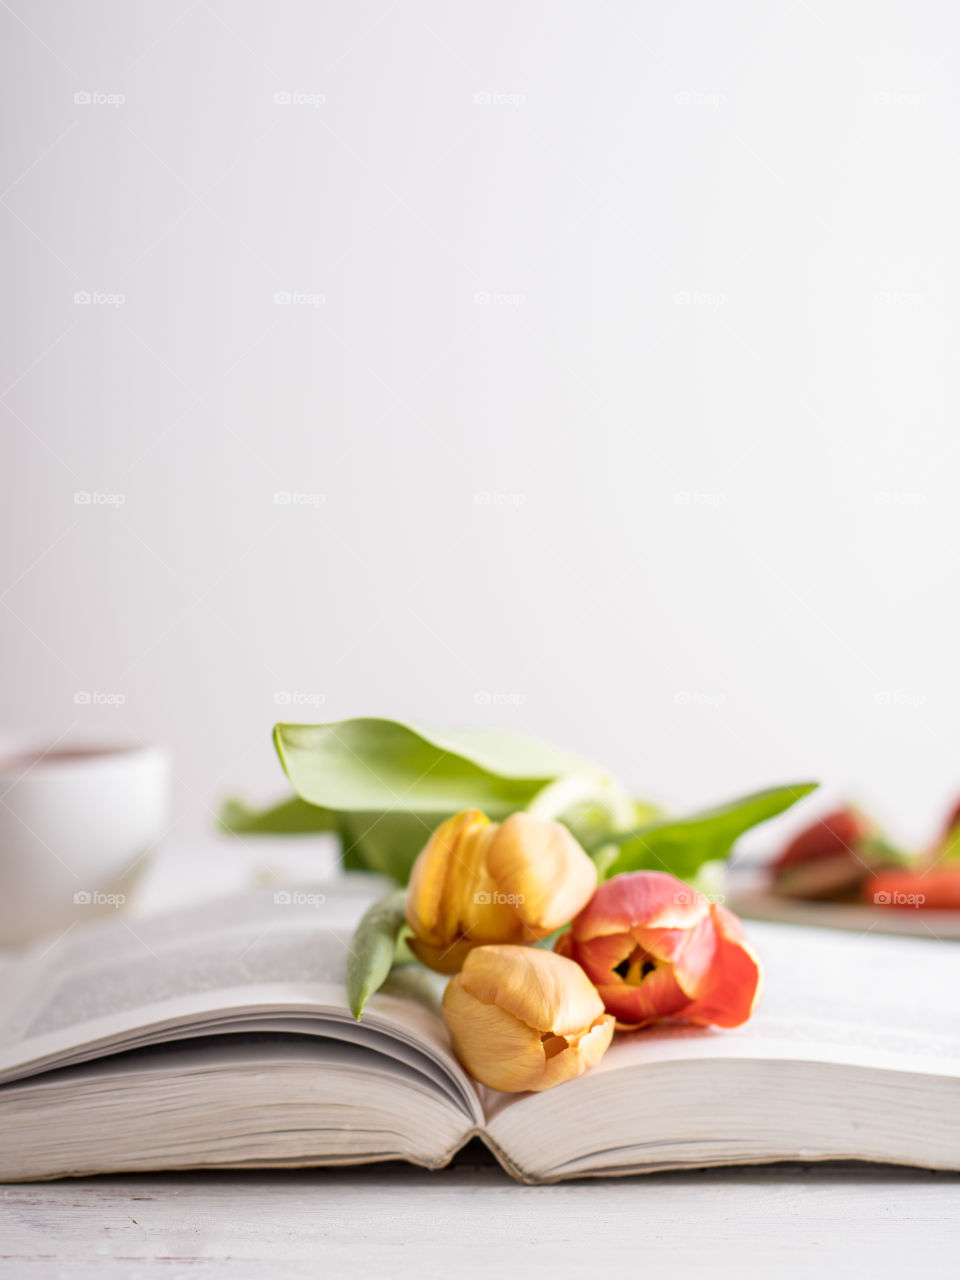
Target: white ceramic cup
pixel 77 825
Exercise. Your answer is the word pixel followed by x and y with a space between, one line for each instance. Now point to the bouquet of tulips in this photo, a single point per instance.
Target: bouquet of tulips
pixel 640 948
pixel 559 905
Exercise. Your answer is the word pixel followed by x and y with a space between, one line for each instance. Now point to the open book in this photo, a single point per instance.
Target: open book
pixel 219 1037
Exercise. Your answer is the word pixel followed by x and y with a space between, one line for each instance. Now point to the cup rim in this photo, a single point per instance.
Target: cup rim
pixel 21 757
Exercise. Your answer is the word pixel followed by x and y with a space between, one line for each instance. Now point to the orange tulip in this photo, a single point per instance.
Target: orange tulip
pixel 521 1018
pixel 478 882
pixel 656 949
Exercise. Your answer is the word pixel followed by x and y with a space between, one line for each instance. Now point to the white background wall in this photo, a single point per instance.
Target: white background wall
pixel 711 400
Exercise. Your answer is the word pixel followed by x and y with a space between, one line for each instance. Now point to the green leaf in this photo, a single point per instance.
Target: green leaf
pixel 289 817
pixel 373 766
pixel 950 849
pixel 384 842
pixel 682 845
pixel 373 949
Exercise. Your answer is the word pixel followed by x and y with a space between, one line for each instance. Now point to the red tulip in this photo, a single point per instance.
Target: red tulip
pixel 655 948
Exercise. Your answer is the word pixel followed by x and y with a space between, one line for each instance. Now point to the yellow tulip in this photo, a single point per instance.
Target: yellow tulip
pixel 521 1018
pixel 478 882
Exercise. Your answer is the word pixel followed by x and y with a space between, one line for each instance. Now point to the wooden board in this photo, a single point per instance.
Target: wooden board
pixel 473 1221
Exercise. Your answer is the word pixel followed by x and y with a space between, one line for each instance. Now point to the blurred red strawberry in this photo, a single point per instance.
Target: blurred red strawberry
pixel 829 859
pixel 934 890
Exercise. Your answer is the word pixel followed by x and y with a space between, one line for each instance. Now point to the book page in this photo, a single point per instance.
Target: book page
pixel 866 1000
pixel 255 960
pixel 859 1000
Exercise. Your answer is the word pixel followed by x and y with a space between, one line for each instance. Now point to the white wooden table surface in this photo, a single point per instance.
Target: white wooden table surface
pixel 471 1219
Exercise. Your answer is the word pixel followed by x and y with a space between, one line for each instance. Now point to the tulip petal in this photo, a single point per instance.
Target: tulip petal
pixel 428 891
pixel 737 977
pixel 644 899
pixel 582 1053
pixel 522 1019
pixel 691 952
pixel 445 957
pixel 599 957
pixel 497 1048
pixel 657 997
pixel 546 991
pixel 543 870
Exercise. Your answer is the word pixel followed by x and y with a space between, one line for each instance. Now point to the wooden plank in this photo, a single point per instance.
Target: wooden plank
pixel 471 1220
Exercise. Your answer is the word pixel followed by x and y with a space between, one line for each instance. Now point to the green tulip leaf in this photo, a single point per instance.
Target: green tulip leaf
pixel 373 949
pixel 384 842
pixel 289 817
pixel 374 766
pixel 682 845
